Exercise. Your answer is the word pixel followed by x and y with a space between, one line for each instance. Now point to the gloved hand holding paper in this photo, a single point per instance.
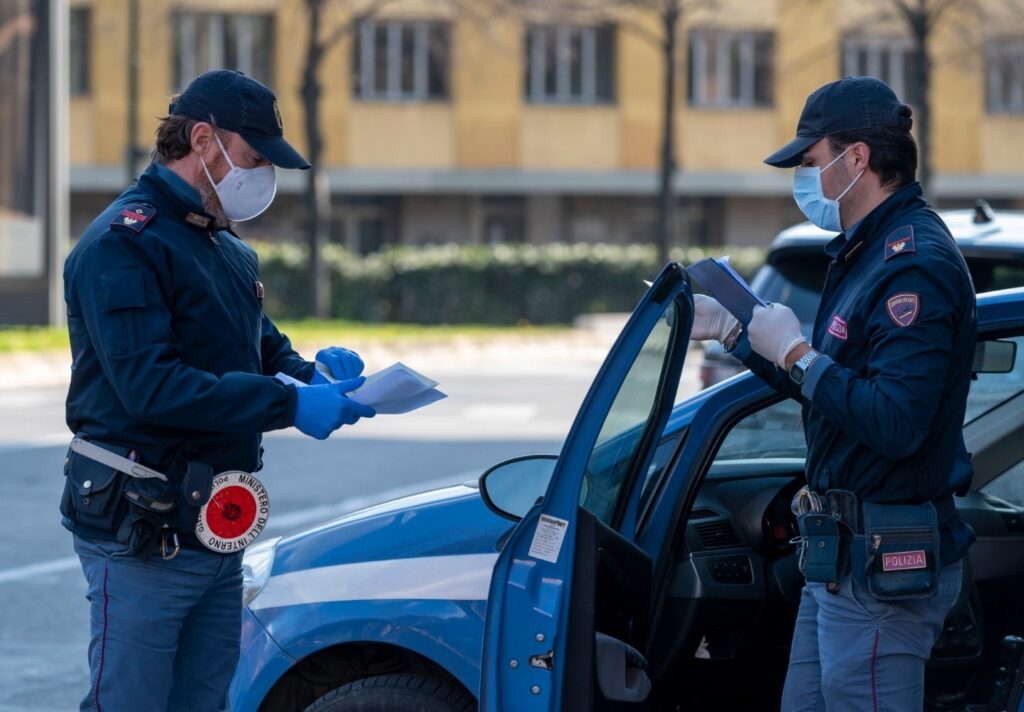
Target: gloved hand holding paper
pixel 395 390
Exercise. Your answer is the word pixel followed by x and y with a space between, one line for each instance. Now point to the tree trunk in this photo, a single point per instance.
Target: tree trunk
pixel 666 196
pixel 318 193
pixel 922 80
pixel 131 154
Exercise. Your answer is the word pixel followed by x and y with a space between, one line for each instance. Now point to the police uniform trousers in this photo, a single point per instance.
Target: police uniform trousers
pixel 165 635
pixel 854 653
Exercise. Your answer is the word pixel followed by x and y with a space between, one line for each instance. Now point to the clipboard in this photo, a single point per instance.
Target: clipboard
pixel 725 284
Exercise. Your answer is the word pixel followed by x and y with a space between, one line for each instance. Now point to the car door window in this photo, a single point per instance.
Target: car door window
pixel 1009 485
pixel 622 433
pixel 773 432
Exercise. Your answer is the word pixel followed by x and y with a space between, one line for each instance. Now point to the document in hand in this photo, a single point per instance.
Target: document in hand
pixel 395 390
pixel 726 285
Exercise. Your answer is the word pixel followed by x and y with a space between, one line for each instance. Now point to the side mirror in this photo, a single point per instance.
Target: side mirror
pixel 995 356
pixel 510 488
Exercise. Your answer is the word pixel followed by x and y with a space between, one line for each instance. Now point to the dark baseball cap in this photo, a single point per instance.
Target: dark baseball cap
pixel 850 104
pixel 239 103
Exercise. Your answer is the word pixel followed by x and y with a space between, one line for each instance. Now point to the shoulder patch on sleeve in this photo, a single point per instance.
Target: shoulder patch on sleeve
pixel 903 308
pixel 134 218
pixel 900 242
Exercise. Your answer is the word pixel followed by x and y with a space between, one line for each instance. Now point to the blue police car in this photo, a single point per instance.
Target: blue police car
pixel 649 565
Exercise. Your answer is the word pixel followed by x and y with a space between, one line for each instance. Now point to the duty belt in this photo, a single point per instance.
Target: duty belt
pixel 231 518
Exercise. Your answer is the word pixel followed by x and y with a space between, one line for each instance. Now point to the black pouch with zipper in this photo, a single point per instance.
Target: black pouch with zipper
pixel 896 557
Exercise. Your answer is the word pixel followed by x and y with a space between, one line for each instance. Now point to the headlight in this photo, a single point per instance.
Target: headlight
pixel 257 562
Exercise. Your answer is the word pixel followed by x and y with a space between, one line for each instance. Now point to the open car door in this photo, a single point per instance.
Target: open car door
pixel 570 595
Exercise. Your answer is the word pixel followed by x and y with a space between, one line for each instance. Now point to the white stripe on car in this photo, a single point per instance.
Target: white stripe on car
pixel 465 577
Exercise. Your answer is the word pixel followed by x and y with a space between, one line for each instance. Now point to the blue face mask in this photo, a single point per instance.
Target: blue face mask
pixel 809 197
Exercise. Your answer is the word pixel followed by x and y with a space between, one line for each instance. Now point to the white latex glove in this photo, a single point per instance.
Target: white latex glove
pixel 710 319
pixel 774 332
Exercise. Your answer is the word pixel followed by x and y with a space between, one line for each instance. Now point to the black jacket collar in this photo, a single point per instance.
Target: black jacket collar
pixel 907 199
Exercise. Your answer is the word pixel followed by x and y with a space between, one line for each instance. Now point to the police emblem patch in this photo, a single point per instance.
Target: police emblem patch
pixel 838 328
pixel 903 308
pixel 900 242
pixel 277 115
pixel 235 514
pixel 134 217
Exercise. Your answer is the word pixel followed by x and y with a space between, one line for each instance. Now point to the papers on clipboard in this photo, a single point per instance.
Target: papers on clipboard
pixel 725 284
pixel 395 390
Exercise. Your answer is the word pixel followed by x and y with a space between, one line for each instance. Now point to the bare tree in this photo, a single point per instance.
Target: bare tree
pixel 318 189
pixel 664 35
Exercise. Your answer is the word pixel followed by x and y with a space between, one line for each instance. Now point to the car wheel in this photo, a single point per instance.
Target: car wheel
pixel 396 693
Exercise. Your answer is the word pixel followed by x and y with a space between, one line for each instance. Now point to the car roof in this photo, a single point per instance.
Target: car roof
pixel 1003 229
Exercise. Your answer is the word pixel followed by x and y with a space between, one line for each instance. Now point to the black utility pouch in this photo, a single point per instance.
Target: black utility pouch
pixel 824 561
pixel 897 556
pixel 93 493
pixel 152 511
pixel 196 484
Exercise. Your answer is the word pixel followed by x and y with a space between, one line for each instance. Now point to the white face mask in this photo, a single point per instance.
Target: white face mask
pixel 810 198
pixel 244 192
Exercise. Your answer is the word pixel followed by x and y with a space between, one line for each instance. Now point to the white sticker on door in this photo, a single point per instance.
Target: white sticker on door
pixel 547 540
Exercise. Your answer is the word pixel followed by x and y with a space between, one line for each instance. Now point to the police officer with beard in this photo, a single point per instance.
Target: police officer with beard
pixel 173 372
pixel 883 381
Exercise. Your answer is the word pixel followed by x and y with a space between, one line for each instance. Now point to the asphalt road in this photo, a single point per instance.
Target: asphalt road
pixel 490 415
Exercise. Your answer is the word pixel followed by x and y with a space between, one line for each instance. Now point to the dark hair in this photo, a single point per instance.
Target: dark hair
pixel 174 136
pixel 893 150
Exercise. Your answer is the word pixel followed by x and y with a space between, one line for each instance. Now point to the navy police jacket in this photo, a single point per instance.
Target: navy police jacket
pixel 172 353
pixel 883 408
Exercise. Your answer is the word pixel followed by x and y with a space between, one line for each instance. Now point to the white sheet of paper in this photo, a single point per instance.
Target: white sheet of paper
pixel 395 390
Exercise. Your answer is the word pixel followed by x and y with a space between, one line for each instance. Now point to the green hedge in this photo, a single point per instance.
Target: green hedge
pixel 473 284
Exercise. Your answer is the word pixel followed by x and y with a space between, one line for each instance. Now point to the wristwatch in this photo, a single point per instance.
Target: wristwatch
pixel 799 370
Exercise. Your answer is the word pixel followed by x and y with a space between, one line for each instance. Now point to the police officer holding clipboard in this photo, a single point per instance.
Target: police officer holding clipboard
pixel 172 385
pixel 883 382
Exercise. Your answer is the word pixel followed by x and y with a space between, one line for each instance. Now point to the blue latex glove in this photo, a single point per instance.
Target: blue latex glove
pixel 323 409
pixel 342 363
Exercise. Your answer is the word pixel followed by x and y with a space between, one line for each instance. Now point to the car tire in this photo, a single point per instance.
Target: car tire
pixel 396 693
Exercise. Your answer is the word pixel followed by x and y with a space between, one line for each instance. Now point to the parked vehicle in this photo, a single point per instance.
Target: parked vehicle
pixel 794 270
pixel 659 542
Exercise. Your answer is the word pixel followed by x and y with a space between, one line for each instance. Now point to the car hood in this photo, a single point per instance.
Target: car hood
pixel 450 521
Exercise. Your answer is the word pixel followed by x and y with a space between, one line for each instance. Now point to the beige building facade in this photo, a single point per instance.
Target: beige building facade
pixel 483 127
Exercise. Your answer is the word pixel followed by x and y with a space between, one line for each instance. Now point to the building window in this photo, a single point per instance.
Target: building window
pixel 1005 75
pixel 731 69
pixel 399 60
pixel 890 59
pixel 504 220
pixel 79 27
pixel 208 40
pixel 570 65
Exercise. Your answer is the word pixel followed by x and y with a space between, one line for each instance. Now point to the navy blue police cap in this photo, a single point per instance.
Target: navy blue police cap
pixel 239 103
pixel 850 104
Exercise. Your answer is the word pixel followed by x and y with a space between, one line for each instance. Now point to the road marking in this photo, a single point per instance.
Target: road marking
pixel 288 520
pixel 20 573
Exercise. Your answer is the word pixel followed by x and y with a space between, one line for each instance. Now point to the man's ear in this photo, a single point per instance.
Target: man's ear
pixel 202 137
pixel 861 156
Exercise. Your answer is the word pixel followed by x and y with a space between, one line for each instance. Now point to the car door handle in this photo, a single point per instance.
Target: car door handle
pixel 621 670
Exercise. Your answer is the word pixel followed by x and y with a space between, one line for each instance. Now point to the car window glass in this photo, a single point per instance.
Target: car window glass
pixel 802 296
pixel 1009 485
pixel 773 432
pixel 990 275
pixel 990 390
pixel 623 430
pixel 657 467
